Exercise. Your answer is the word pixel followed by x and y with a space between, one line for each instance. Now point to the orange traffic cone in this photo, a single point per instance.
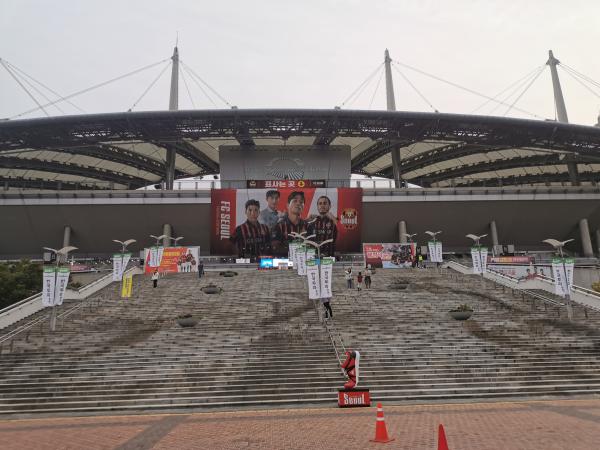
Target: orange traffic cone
pixel 442 444
pixel 381 434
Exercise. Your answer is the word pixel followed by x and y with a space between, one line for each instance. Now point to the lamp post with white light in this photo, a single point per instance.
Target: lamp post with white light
pixel 62 252
pixel 558 246
pixel 175 240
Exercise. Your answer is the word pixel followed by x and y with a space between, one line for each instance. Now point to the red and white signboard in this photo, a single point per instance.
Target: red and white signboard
pixel 348 398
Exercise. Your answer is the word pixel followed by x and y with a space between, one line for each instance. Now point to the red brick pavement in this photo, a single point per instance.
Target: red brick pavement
pixel 557 424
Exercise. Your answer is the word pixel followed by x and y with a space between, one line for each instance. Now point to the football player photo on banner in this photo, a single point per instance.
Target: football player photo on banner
pixel 251 223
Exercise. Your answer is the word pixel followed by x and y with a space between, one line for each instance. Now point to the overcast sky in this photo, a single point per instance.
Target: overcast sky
pixel 302 54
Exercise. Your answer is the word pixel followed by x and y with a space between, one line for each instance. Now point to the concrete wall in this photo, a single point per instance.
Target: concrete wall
pixel 28 223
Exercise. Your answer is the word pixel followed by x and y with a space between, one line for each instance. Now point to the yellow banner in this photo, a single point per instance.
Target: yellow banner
pixel 127 286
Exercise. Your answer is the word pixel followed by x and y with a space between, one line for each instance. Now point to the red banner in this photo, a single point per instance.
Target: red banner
pixel 174 260
pixel 390 256
pixel 282 184
pixel 334 213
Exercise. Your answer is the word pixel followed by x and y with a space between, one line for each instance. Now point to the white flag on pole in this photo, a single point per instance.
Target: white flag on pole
pixel 479 257
pixel 435 251
pixel 312 276
pixel 563 282
pixel 62 279
pixel 326 276
pixel 49 284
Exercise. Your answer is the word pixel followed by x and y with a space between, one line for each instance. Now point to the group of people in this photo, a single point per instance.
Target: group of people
pixel 268 232
pixel 360 278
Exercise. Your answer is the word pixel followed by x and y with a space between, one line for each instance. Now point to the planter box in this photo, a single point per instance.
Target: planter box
pixel 186 322
pixel 461 315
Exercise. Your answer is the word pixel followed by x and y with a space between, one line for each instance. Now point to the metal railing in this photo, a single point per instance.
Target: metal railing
pixel 62 315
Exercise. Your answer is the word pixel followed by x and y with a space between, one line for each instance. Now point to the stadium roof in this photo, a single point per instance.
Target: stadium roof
pixel 128 150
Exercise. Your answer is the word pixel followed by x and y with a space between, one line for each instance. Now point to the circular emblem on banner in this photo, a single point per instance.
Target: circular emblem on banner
pixel 301 184
pixel 349 218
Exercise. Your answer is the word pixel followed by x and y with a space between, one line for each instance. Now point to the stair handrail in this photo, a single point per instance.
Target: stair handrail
pixel 33 322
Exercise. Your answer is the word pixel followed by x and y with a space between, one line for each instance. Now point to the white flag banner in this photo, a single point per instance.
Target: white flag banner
pixel 49 283
pixel 479 256
pixel 312 276
pixel 435 251
pixel 117 267
pixel 293 253
pixel 155 256
pixel 62 279
pixel 326 276
pixel 301 257
pixel 563 282
pixel 126 259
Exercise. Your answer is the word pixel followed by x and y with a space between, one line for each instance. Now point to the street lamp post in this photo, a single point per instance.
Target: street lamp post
pixel 62 252
pixel 558 245
pixel 158 238
pixel 175 240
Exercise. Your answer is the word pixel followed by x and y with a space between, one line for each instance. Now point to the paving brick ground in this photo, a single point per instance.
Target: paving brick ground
pixel 558 424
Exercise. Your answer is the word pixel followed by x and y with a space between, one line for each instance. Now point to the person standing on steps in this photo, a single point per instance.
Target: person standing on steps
pixel 359 280
pixel 200 268
pixel 348 276
pixel 368 274
pixel 155 278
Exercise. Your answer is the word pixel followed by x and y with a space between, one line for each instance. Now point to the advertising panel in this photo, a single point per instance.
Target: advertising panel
pixel 479 257
pixel 435 251
pixel 390 255
pixel 172 259
pixel 562 270
pixel 259 222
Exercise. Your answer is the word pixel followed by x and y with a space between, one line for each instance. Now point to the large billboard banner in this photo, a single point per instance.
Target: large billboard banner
pixel 173 260
pixel 390 255
pixel 261 222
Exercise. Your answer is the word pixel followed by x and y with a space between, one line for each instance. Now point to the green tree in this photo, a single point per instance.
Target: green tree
pixel 18 281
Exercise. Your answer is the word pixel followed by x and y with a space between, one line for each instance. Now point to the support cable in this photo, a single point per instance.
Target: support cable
pixel 26 75
pixel 376 89
pixel 205 83
pixel 517 84
pixel 10 72
pixel 83 91
pixel 187 87
pixel 515 90
pixel 200 86
pixel 150 87
pixel 415 89
pixel 585 77
pixel 362 85
pixel 458 86
pixel 32 86
pixel 576 78
pixel 524 90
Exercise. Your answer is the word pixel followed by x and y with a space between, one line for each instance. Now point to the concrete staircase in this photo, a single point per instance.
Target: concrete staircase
pixel 512 346
pixel 260 343
pixel 250 347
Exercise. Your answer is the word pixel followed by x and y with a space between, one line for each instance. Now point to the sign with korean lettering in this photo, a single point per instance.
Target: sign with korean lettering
pixel 312 277
pixel 326 276
pixel 435 251
pixel 479 257
pixel 562 271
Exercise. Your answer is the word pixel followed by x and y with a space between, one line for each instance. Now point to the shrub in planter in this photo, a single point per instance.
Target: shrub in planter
pixel 228 273
pixel 186 320
pixel 463 312
pixel 211 289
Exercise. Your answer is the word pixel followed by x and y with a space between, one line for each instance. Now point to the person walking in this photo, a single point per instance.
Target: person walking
pixel 359 281
pixel 155 278
pixel 327 306
pixel 348 276
pixel 200 268
pixel 368 274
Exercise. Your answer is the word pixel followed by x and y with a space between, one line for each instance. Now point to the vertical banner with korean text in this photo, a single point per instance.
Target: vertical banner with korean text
pixel 301 258
pixel 435 251
pixel 62 280
pixel 326 276
pixel 49 285
pixel 479 257
pixel 312 277
pixel 117 267
pixel 127 286
pixel 562 270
